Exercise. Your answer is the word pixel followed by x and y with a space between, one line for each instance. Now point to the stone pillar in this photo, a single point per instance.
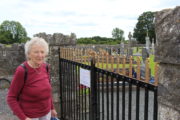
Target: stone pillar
pixel 53 60
pixel 167 53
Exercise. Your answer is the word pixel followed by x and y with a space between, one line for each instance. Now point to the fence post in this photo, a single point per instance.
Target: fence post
pixel 93 105
pixel 60 86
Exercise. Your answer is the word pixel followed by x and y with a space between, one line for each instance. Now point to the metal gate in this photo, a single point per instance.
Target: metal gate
pixel 111 96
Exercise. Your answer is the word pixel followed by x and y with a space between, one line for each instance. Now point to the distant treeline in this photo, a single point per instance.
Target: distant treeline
pixel 98 40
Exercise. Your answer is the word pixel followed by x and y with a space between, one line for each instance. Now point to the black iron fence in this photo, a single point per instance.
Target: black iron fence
pixel 111 96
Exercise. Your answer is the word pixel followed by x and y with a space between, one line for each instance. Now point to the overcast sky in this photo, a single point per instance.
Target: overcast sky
pixel 85 18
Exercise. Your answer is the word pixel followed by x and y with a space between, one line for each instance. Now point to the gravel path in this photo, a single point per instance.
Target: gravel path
pixel 5 112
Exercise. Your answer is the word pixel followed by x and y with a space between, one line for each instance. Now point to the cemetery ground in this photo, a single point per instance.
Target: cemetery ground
pixel 151 64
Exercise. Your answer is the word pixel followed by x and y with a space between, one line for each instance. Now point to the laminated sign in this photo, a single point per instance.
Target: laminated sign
pixel 85 77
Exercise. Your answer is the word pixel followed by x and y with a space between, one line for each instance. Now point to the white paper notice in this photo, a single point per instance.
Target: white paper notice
pixel 85 77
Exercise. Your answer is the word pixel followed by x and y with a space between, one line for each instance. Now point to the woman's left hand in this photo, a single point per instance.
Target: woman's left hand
pixel 53 113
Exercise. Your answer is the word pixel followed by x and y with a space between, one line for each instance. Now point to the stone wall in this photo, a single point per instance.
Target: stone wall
pixel 10 58
pixel 167 53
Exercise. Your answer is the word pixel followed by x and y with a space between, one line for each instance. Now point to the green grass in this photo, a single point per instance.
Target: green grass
pixel 151 64
pixel 84 91
pixel 135 50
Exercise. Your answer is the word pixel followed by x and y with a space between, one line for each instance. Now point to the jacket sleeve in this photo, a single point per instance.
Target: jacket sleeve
pixel 14 92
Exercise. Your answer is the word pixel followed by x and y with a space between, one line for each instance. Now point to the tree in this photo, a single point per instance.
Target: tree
pixel 6 37
pixel 145 25
pixel 118 34
pixel 16 31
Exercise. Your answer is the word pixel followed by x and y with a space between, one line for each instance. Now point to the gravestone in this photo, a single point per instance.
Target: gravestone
pixel 142 70
pixel 147 42
pixel 109 51
pixel 122 48
pixel 119 50
pixel 152 46
pixel 130 52
pixel 145 54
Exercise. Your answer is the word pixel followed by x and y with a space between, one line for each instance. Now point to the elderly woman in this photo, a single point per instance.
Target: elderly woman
pixel 29 95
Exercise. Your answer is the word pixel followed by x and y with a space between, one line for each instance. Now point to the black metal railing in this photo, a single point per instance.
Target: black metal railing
pixel 110 96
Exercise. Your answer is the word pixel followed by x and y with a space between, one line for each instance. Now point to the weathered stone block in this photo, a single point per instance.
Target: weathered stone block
pixel 58 39
pixel 168 113
pixel 167 27
pixel 169 85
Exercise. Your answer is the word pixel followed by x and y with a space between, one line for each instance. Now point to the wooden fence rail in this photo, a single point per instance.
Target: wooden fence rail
pixel 128 66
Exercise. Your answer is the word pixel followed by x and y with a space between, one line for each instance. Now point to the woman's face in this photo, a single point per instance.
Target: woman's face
pixel 37 54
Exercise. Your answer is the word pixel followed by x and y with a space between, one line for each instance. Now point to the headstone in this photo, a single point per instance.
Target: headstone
pixel 119 50
pixel 130 52
pixel 142 70
pixel 145 54
pixel 122 48
pixel 147 42
pixel 122 45
pixel 153 46
pixel 109 51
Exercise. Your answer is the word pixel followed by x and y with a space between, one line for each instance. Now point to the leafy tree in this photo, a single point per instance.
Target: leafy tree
pixel 6 37
pixel 12 30
pixel 145 24
pixel 118 34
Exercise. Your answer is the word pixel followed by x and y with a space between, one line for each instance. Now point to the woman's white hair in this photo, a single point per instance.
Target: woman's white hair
pixel 36 41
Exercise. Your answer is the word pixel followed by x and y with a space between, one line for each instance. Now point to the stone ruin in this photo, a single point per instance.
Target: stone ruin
pixel 58 39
